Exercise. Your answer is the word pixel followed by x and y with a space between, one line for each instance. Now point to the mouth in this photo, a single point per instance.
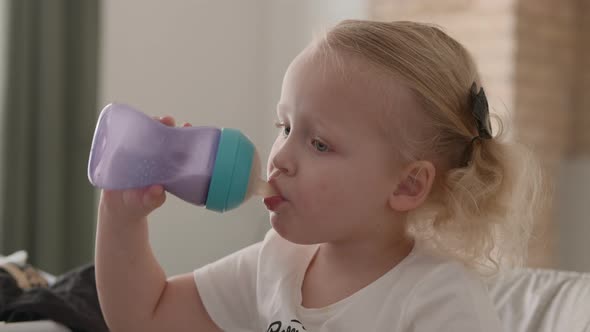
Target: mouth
pixel 276 199
pixel 273 202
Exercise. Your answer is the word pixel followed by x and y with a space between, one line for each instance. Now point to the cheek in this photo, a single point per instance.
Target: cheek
pixel 328 190
pixel 333 206
pixel 348 191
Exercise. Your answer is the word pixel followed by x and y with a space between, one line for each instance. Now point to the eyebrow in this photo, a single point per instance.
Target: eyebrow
pixel 310 119
pixel 282 108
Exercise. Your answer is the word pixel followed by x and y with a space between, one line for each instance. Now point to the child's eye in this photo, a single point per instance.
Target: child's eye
pixel 321 147
pixel 286 129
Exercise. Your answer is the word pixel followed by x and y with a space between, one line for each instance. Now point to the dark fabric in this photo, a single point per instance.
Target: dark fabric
pixel 47 206
pixel 72 301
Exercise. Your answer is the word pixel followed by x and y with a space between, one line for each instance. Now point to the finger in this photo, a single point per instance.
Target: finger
pixel 110 197
pixel 154 197
pixel 168 121
pixel 132 198
pixel 165 120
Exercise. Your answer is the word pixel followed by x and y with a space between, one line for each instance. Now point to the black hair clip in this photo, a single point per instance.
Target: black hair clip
pixel 481 112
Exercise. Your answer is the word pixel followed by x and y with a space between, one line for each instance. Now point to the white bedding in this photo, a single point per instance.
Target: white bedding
pixel 528 300
pixel 534 300
pixel 38 326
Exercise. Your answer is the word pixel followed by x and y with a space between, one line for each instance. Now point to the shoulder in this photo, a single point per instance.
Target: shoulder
pixel 435 268
pixel 423 268
pixel 447 295
pixel 427 266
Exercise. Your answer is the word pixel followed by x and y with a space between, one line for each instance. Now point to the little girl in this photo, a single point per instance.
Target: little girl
pixel 394 199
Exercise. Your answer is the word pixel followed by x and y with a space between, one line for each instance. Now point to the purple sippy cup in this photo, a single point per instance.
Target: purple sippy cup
pixel 217 168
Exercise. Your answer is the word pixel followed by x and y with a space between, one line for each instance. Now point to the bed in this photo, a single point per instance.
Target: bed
pixel 528 300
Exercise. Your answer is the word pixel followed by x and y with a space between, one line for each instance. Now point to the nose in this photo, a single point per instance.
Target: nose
pixel 282 158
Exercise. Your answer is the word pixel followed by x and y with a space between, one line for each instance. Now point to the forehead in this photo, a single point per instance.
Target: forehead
pixel 343 88
pixel 321 82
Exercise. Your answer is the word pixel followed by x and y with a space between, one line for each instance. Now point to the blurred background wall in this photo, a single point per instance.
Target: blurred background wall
pixel 533 55
pixel 221 63
pixel 210 63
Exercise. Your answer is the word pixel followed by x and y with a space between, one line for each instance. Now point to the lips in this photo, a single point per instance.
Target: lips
pixel 272 203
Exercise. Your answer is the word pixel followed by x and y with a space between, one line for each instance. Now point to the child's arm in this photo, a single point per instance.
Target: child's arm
pixel 132 287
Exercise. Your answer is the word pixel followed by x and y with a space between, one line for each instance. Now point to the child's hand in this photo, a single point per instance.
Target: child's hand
pixel 133 204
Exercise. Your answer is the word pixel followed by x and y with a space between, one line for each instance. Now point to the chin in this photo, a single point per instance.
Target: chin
pixel 293 234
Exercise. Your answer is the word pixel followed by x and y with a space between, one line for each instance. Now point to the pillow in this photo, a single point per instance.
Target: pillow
pixel 537 300
pixel 37 326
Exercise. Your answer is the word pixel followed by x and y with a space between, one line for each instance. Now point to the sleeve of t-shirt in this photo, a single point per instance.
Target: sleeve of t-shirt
pixel 228 290
pixel 451 299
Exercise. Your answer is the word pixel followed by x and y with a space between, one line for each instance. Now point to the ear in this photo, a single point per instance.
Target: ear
pixel 414 186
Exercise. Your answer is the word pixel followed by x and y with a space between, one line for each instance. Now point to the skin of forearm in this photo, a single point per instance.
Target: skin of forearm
pixel 129 279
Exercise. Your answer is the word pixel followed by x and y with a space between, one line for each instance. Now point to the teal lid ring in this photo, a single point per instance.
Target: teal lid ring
pixel 231 171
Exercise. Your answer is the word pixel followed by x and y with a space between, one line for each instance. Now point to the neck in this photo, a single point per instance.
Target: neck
pixel 379 251
pixel 341 268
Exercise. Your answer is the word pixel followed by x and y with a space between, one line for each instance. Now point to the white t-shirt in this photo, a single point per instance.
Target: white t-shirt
pixel 259 289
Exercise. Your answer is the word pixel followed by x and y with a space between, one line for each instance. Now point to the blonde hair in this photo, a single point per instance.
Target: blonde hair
pixel 481 210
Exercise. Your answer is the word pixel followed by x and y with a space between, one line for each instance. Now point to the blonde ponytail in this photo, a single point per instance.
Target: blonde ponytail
pixel 487 192
pixel 483 213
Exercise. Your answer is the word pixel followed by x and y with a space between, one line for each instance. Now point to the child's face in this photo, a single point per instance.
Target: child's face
pixel 331 164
